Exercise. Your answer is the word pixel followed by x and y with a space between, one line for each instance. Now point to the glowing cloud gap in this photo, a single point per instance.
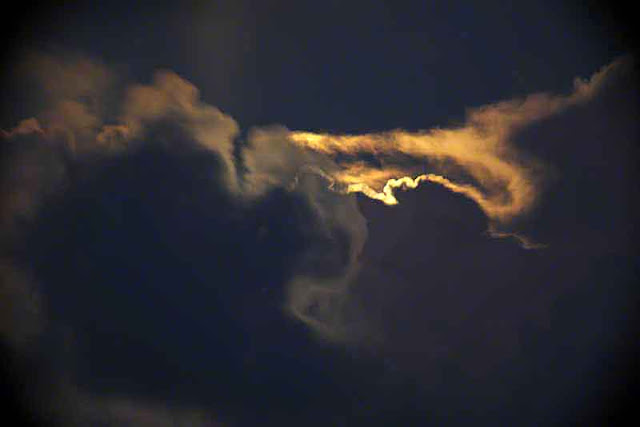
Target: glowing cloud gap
pixel 387 195
pixel 504 188
pixel 505 184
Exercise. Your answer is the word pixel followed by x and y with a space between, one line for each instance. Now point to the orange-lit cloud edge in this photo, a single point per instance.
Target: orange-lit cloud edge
pixel 503 182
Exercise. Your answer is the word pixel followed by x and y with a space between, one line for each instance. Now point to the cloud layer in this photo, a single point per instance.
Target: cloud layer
pixel 477 159
pixel 263 229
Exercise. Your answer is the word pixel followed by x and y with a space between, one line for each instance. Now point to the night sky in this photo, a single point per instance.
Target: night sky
pixel 177 250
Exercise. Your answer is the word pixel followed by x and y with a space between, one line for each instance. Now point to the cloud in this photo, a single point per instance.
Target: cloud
pixel 505 332
pixel 477 159
pixel 25 127
pixel 22 319
pixel 74 123
pixel 172 97
pixel 68 76
pixel 33 169
pixel 107 410
pixel 317 299
pixel 74 93
pixel 157 248
pixel 588 148
pixel 168 213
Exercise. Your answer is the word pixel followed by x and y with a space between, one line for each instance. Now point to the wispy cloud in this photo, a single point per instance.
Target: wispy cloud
pixel 478 159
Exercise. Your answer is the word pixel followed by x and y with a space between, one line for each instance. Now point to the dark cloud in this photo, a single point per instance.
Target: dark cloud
pixel 591 151
pixel 510 334
pixel 172 289
pixel 158 267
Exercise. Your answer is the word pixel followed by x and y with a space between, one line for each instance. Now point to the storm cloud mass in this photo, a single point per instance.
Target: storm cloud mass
pixel 161 265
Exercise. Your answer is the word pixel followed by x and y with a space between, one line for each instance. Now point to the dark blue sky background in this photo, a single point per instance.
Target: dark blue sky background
pixel 156 274
pixel 342 66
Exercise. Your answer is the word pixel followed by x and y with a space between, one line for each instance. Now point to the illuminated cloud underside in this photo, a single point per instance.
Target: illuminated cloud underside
pixel 504 182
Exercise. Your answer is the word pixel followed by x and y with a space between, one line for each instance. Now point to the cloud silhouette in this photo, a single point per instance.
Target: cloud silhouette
pixel 155 254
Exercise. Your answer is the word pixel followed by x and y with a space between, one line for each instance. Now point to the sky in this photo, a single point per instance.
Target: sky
pixel 325 214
